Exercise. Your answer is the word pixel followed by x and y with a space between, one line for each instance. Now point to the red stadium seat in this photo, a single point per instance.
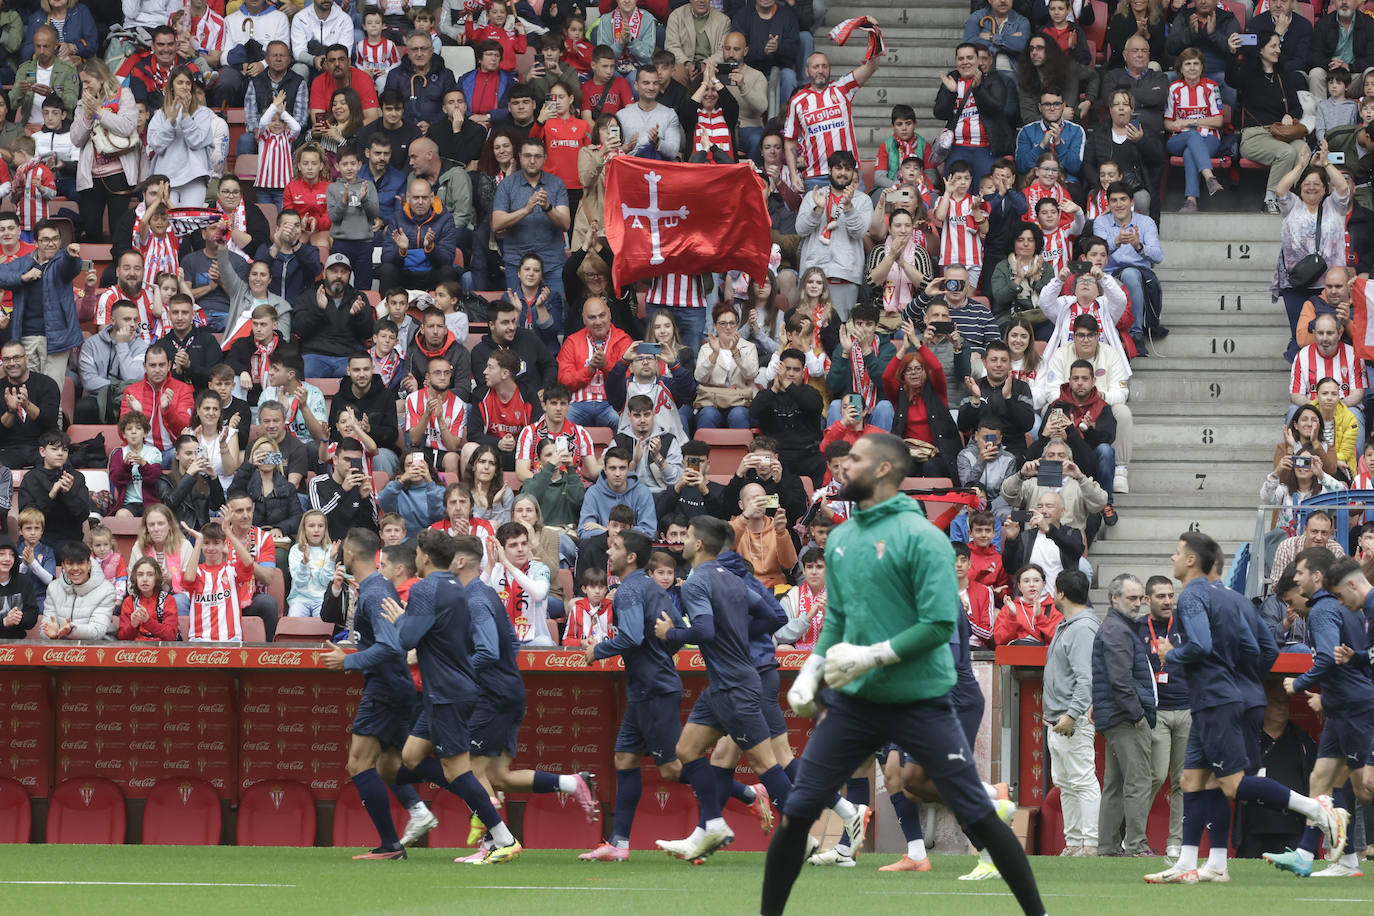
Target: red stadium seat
pixel 666 809
pixel 569 585
pixel 1237 9
pixel 182 812
pixel 555 821
pixel 276 814
pixel 601 435
pixel 1051 825
pixel 16 814
pixel 254 630
pixel 1097 32
pixel 328 386
pixel 303 629
pixel 86 811
pixel 352 826
pixel 728 447
pixel 1306 10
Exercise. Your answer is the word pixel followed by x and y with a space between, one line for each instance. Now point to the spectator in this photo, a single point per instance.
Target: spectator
pixel 81 604
pixel 1294 30
pixel 762 540
pixel 630 32
pixel 748 86
pixel 789 411
pixel 78 41
pixel 901 265
pixel 1174 717
pixel 338 75
pixel 584 359
pixel 305 407
pixel 538 368
pixel 1097 296
pixel 43 74
pixel 915 385
pixel 272 75
pixel 650 130
pixel 345 494
pixel 248 32
pixel 436 419
pixel 450 184
pixel 1323 199
pixel 1017 280
pixel 1133 242
pixel 1123 692
pixel 110 361
pixel 1001 30
pixel 1337 109
pixel 859 361
pixel 1339 425
pixel 616 487
pixel 1280 612
pixel 276 502
pixel 820 119
pixel 1142 18
pixel 253 555
pixel 1149 88
pixel 1045 538
pixel 1304 434
pixel 389 180
pixel 373 410
pixel 1044 67
pixel 58 490
pixel 1328 357
pixel 695 493
pixel 458 137
pixel 435 341
pixel 655 453
pixel 523 584
pixel 1068 693
pixel 1081 495
pixel 1334 300
pixel 725 371
pixel 295 265
pixel 165 401
pixel 985 462
pixel 419 250
pixel 1088 418
pixel 772 46
pixel 1316 533
pixel 180 130
pixel 332 320
pixel 973 107
pixel 1051 133
pixel 559 491
pixel 1205 27
pixel 663 377
pixel 18 602
pixel 311 565
pixel 1123 141
pixel 1030 617
pixel 415 495
pixel 44 318
pixel 974 328
pixel 1340 31
pixel 1271 129
pixel 532 210
pixel 1288 753
pixel 762 466
pixel 314 29
pixel 832 222
pixel 1193 117
pixel 498 418
pixel 190 488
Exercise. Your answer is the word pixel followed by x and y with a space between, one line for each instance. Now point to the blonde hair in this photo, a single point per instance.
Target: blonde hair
pixel 301 542
pixel 271 447
pixel 31 516
pixel 1152 11
pixel 98 530
pixel 109 86
pixel 310 147
pixel 145 544
pixel 825 287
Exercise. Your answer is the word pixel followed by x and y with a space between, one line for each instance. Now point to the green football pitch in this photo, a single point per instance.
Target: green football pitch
pixel 271 881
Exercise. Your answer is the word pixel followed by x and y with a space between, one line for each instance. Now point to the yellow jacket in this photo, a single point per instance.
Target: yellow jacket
pixel 1347 435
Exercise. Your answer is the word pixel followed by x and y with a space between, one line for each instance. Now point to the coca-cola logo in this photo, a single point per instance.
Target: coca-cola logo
pixel 65 707
pixel 329 710
pixel 109 688
pixel 137 657
pixel 211 657
pixel 583 711
pixel 291 728
pixel 297 691
pixel 142 745
pixel 6 655
pixel 329 747
pixel 80 744
pixel 28 780
pixel 176 727
pixel 32 706
pixel 109 726
pixel 177 765
pixel 143 707
pixel 696 660
pixel 212 708
pixel 63 656
pixel 145 782
pixel 257 709
pixel 584 749
pixel 561 660
pixel 176 690
pixel 324 783
pixel 257 746
pixel 23 743
pixel 291 766
pixel 792 659
pixel 549 692
pixel 549 730
pixel 109 764
pixel 210 746
pixel 353 692
pixel 284 659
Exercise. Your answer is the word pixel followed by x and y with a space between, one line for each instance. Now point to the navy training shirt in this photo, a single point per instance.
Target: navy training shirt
pixel 649 663
pixel 717 603
pixel 438 626
pixel 1211 639
pixel 495 646
pixel 768 614
pixel 1252 670
pixel 1347 691
pixel 385 677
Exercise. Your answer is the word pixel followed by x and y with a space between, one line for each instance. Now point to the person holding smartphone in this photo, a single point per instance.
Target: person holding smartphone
pixel 345 494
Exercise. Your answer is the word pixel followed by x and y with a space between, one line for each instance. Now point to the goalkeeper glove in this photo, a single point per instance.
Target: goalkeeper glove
pixel 802 696
pixel 845 661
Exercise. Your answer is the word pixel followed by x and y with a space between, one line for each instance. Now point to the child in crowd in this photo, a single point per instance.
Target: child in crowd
pixel 397 305
pixel 53 144
pixel 376 54
pixel 448 298
pixel 58 490
pixel 311 565
pixel 590 616
pixel 663 570
pixel 426 24
pixel 250 356
pixel 577 50
pixel 148 611
pixel 213 581
pixel 964 220
pixel 387 360
pixel 1058 250
pixel 1337 109
pixel 1031 618
pixel 276 130
pixel 976 598
pixel 817 532
pixel 308 192
pixel 805 604
pixel 155 241
pixel 985 555
pixel 392 527
pixel 495 30
pixel 35 557
pixel 904 144
pixel 564 135
pixel 101 540
pixel 1107 173
pixel 34 185
pixel 352 204
pixel 134 467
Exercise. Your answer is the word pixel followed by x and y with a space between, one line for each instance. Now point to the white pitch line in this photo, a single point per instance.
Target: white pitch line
pixel 147 883
pixel 535 887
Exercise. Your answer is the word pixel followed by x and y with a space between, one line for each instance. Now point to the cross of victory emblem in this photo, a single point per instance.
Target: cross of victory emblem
pixel 654 215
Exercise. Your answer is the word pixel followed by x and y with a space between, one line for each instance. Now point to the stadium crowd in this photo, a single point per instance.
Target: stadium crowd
pixel 388 303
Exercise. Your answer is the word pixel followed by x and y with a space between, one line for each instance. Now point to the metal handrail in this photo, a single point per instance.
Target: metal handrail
pixel 1338 504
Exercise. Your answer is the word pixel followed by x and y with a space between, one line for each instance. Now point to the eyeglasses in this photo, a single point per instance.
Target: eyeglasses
pixel 16 358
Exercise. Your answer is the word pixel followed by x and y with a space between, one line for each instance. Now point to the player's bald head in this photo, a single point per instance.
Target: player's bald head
pixel 887 448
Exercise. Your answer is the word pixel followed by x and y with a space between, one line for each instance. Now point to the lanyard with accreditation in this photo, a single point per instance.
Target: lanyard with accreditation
pixel 1161 676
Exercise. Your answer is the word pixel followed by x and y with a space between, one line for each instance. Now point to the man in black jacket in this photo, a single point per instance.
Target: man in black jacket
pixel 537 366
pixel 1061 546
pixel 195 350
pixel 999 399
pixel 1124 712
pixel 763 466
pixel 433 341
pixel 333 321
pixel 18 604
pixel 374 409
pixel 789 410
pixel 695 493
pixel 345 494
pixel 31 405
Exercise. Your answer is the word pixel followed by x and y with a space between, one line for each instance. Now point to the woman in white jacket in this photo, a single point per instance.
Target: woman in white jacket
pixel 182 133
pixel 1095 293
pixel 81 602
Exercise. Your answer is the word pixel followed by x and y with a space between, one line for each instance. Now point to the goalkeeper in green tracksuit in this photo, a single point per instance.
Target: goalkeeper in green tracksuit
pixel 884 652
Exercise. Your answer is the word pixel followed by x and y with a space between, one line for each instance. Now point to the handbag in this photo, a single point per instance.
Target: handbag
pixel 944 142
pixel 722 397
pixel 108 144
pixel 1308 272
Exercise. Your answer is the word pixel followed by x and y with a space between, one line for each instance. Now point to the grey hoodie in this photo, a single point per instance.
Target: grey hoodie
pixel 1069 667
pixel 103 361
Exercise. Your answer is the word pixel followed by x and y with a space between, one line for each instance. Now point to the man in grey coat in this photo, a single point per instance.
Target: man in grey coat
pixel 1124 711
pixel 832 222
pixel 1068 694
pixel 110 359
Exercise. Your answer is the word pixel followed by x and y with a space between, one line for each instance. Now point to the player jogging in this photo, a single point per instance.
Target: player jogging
pixel 438 625
pixel 891 586
pixel 653 690
pixel 1214 644
pixel 1347 700
pixel 387 706
pixel 495 722
pixel 721 610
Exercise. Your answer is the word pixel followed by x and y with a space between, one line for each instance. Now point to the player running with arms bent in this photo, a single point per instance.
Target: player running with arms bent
pixel 892 602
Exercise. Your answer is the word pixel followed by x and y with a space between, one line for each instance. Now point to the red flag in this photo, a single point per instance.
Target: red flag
pixel 677 217
pixel 1361 322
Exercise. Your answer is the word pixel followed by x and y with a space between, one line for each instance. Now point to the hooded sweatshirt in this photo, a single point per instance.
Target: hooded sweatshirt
pixel 1069 667
pixel 600 499
pixel 90 606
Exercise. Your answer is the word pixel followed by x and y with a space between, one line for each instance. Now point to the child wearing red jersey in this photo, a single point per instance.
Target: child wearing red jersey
pixel 376 54
pixel 34 185
pixel 577 50
pixel 307 192
pixel 607 91
pixel 502 413
pixel 216 614
pixel 985 565
pixel 589 617
pixel 964 222
pixel 495 30
pixel 276 131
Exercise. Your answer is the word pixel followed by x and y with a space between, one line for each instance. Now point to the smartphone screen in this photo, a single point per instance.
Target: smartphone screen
pixel 1050 474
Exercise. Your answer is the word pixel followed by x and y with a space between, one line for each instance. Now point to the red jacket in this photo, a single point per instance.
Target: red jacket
pixel 985 567
pixel 174 418
pixel 157 627
pixel 979 611
pixel 573 370
pixel 1019 620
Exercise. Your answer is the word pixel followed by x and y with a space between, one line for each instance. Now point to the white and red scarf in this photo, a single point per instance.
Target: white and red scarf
pixel 619 26
pixel 257 363
pixel 859 379
pixel 386 366
pixel 806 599
pixel 238 222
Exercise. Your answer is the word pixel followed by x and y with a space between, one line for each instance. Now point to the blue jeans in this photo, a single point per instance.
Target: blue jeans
pixel 1143 287
pixel 691 323
pixel 215 321
pixel 359 254
pixel 979 159
pixel 386 461
pixel 246 145
pixel 593 413
pixel 269 196
pixel 713 418
pixel 1197 152
pixel 318 366
pixel 749 139
pixel 1105 455
pixel 881 415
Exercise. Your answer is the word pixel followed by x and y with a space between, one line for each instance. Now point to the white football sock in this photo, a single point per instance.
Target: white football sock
pixel 985 856
pixel 916 850
pixel 567 784
pixel 622 844
pixel 1305 856
pixel 844 808
pixel 1305 806
pixel 844 849
pixel 696 835
pixel 716 824
pixel 501 835
pixel 1350 860
pixel 1187 859
pixel 1216 859
pixel 991 790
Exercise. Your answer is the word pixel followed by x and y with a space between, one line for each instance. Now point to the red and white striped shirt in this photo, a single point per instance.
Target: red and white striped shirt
pixel 574 438
pixel 452 416
pixel 36 186
pixel 215 608
pixel 678 290
pixel 149 328
pixel 160 256
pixel 376 59
pixel 1311 367
pixel 1058 249
pixel 274 158
pixel 208 31
pixel 821 122
pixel 959 241
pixel 1097 205
pixel 712 131
pixel 1200 101
pixel 968 130
pixel 262 550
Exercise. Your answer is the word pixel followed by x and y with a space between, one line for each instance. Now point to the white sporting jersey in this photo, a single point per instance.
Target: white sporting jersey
pixel 1310 367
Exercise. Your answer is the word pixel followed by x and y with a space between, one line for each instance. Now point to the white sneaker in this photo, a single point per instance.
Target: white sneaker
pixel 813 846
pixel 1337 870
pixel 676 848
pixel 857 827
pixel 417 828
pixel 711 841
pixel 832 856
pixel 1121 483
pixel 1207 873
pixel 1335 822
pixel 1173 875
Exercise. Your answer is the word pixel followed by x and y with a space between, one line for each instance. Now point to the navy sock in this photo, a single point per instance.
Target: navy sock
pixel 471 792
pixel 697 774
pixel 908 812
pixel 372 791
pixel 629 785
pixel 1218 819
pixel 777 784
pixel 544 782
pixel 1263 791
pixel 427 770
pixel 791 770
pixel 1194 818
pixel 745 795
pixel 856 790
pixel 406 795
pixel 1311 839
pixel 725 783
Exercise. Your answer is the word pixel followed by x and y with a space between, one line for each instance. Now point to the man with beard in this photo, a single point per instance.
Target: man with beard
pixel 129 287
pixel 436 341
pixel 890 573
pixel 1083 417
pixel 820 119
pixel 832 222
pixel 537 366
pixel 1001 399
pixel 333 320
pixel 373 410
pixel 31 405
